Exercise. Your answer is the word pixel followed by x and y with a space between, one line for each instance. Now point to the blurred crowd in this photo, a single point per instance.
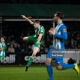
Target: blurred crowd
pixel 73 41
pixel 16 44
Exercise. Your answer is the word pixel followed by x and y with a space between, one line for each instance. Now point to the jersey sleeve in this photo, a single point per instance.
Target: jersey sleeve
pixel 63 34
pixel 41 30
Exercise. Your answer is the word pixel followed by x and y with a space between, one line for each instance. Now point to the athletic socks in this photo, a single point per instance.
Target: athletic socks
pixel 68 66
pixel 50 72
pixel 29 62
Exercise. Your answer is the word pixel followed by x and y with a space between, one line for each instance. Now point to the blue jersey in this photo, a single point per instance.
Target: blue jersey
pixel 58 43
pixel 60 36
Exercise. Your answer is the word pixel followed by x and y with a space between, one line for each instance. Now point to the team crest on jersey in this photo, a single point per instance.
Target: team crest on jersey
pixel 64 30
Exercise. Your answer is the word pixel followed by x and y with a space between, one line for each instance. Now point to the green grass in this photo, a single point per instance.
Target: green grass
pixel 35 73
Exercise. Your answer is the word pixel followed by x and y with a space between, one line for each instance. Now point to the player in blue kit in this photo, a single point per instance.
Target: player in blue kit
pixel 60 35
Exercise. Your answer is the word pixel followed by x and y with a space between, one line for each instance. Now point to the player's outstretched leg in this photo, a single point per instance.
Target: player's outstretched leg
pixel 31 58
pixel 62 66
pixel 25 38
pixel 70 66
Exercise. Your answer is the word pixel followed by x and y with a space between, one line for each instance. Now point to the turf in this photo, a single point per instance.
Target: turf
pixel 35 73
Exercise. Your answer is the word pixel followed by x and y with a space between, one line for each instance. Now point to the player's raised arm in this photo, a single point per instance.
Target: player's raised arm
pixel 27 19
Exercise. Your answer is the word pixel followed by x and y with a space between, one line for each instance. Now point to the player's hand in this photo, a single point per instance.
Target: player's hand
pixel 51 31
pixel 38 42
pixel 23 16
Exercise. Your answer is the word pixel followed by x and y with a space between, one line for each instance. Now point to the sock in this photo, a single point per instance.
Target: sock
pixel 68 66
pixel 50 72
pixel 29 62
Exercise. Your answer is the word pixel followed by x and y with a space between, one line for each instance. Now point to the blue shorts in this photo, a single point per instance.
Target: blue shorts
pixel 58 61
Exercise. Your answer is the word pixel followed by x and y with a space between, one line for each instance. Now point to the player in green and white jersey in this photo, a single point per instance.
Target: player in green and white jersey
pixel 2 48
pixel 36 39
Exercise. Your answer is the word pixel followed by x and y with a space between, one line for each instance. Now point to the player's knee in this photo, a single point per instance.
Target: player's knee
pixel 59 67
pixel 48 62
pixel 33 55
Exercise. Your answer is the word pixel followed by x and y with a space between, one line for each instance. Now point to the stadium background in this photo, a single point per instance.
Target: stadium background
pixel 13 28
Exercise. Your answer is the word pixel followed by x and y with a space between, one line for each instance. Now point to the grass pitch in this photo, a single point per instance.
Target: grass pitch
pixel 35 73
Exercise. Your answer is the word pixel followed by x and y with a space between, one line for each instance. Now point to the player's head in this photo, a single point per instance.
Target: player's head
pixel 36 23
pixel 2 39
pixel 58 15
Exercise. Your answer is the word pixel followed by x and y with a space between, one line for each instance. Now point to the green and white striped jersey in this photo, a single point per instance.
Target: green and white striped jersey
pixel 38 31
pixel 2 45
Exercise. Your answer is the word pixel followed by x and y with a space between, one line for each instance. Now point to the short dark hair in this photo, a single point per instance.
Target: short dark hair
pixel 37 21
pixel 2 37
pixel 59 14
